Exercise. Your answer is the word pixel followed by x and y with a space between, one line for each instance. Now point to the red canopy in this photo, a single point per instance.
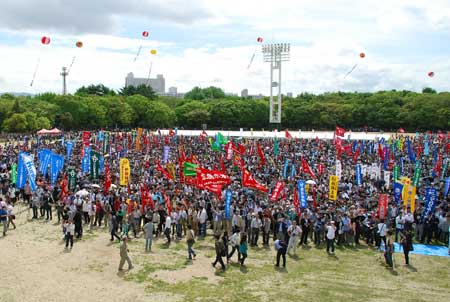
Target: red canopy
pixel 49 132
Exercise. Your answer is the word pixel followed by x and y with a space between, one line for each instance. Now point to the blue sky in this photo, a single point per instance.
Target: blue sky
pixel 211 42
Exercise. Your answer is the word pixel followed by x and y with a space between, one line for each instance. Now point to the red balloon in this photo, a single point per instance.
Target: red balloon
pixel 45 40
pixel 145 34
pixel 362 55
pixel 259 40
pixel 431 74
pixel 79 44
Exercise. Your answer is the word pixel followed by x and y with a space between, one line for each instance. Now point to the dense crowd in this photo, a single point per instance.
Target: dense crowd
pixel 179 209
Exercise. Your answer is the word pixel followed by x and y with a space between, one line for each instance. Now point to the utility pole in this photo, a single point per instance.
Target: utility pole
pixel 275 54
pixel 64 74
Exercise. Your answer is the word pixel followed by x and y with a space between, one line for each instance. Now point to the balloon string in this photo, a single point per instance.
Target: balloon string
pixel 35 72
pixel 251 60
pixel 139 50
pixel 71 64
pixel 149 72
pixel 351 70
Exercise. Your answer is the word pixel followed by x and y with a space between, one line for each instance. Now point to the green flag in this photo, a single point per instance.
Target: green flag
pixel 95 164
pixel 221 140
pixel 396 173
pixel 275 148
pixel 14 173
pixel 214 146
pixel 72 179
pixel 190 169
pixel 416 177
pixel 105 143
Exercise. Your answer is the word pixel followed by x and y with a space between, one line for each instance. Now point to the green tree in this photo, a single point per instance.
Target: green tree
pixel 16 123
pixel 99 90
pixel 142 89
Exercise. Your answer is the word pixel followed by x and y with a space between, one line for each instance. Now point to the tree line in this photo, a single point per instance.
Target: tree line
pixel 97 106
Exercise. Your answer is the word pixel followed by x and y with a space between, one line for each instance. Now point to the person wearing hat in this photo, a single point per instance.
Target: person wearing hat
pixel 331 234
pixel 124 254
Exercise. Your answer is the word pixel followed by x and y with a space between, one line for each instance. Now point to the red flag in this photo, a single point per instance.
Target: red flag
pixel 222 165
pixel 250 182
pixel 348 150
pixel 419 150
pixel 171 133
pixel 107 184
pixel 339 131
pixel 64 187
pixel 168 203
pixel 287 134
pixel 382 205
pixel 166 140
pixel 261 155
pixel 279 187
pixel 356 155
pixel 229 149
pixel 216 189
pixel 203 136
pixel 252 149
pixel 86 138
pixel 163 171
pixel 380 152
pixel 307 169
pixel 296 202
pixel 320 167
pixel 241 149
pixel 207 177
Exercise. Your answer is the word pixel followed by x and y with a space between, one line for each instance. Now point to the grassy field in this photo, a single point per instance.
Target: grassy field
pixel 358 274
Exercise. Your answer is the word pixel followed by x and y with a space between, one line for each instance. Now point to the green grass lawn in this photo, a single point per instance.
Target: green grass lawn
pixel 358 274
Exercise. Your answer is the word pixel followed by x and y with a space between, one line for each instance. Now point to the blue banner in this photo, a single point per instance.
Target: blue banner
pixel 358 174
pixel 411 155
pixel 425 149
pixel 44 158
pixel 28 162
pixel 447 186
pixel 285 168
pixel 431 195
pixel 228 197
pixel 100 136
pixel 57 164
pixel 62 140
pixel 102 164
pixel 86 164
pixel 166 154
pixel 398 187
pixel 386 158
pixel 69 147
pixel 21 173
pixel 292 171
pixel 301 188
pixel 401 166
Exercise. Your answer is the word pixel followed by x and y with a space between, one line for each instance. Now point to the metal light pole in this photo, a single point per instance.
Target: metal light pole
pixel 64 74
pixel 275 54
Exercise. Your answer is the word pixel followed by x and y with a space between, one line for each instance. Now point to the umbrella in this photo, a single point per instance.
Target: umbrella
pixel 95 186
pixel 113 186
pixel 82 193
pixel 310 182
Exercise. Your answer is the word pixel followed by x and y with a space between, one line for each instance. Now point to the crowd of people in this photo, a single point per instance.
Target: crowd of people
pixel 158 200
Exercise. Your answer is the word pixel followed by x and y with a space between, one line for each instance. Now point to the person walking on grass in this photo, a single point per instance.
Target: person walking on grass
pixel 281 248
pixel 243 248
pixel 190 235
pixel 69 229
pixel 220 251
pixel 11 216
pixel 148 233
pixel 331 234
pixel 406 242
pixel 234 241
pixel 294 232
pixel 124 254
pixel 389 249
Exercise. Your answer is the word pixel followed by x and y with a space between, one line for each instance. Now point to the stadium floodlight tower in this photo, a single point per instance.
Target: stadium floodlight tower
pixel 64 74
pixel 275 54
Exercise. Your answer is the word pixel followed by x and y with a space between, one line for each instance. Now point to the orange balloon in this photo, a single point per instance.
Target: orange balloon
pixel 362 55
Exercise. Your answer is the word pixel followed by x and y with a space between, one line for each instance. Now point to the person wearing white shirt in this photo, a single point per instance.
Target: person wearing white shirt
pixel 11 216
pixel 399 224
pixel 294 231
pixel 167 228
pixel 69 228
pixel 382 232
pixel 331 234
pixel 202 216
pixel 85 209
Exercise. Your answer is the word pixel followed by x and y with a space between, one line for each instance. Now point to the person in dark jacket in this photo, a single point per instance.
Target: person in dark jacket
pixel 220 252
pixel 406 241
pixel 281 247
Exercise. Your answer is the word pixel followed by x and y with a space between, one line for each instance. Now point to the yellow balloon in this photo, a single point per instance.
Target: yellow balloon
pixel 153 51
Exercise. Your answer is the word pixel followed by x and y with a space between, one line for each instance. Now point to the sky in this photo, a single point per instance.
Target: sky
pixel 210 43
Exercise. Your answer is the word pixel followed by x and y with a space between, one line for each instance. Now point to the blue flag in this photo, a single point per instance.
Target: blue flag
pixel 101 164
pixel 411 155
pixel 21 173
pixel 401 166
pixel 100 136
pixel 292 171
pixel 301 188
pixel 166 154
pixel 285 168
pixel 44 158
pixel 28 162
pixel 386 158
pixel 69 147
pixel 447 186
pixel 431 195
pixel 57 164
pixel 358 174
pixel 228 197
pixel 398 187
pixel 425 148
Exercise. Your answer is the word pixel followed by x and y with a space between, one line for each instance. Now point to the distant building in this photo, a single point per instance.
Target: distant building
pixel 158 84
pixel 289 95
pixel 173 91
pixel 244 93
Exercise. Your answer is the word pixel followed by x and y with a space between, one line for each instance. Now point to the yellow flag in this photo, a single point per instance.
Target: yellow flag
pixel 138 139
pixel 409 197
pixel 334 180
pixel 124 171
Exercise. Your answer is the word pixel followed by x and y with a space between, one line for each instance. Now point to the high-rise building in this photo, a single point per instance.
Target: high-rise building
pixel 244 93
pixel 158 84
pixel 173 91
pixel 289 94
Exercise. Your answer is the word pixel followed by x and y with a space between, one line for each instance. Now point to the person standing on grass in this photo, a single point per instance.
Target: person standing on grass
pixel 234 240
pixel 406 241
pixel 167 228
pixel 381 233
pixel 390 249
pixel 69 229
pixel 148 233
pixel 113 227
pixel 243 248
pixel 220 251
pixel 124 254
pixel 11 216
pixel 281 248
pixel 190 235
pixel 331 234
pixel 294 232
